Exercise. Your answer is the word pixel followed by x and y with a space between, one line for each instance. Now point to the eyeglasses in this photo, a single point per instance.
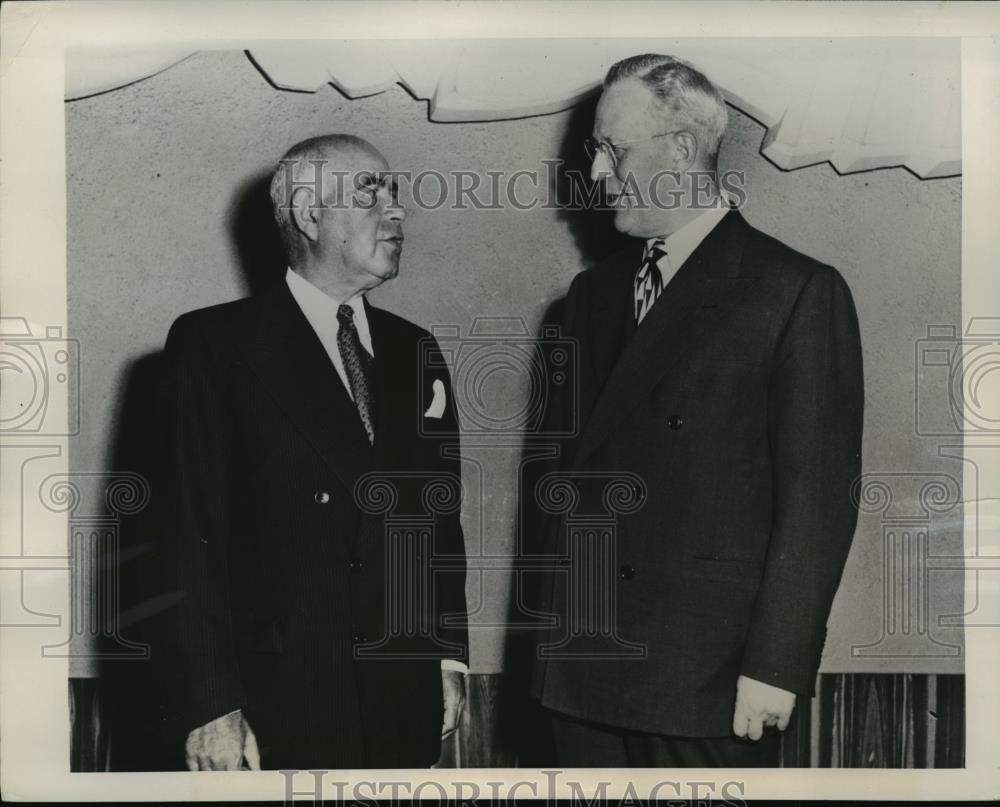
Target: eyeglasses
pixel 613 151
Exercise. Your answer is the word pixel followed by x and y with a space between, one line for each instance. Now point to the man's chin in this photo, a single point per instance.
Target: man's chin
pixel 387 271
pixel 624 221
pixel 628 223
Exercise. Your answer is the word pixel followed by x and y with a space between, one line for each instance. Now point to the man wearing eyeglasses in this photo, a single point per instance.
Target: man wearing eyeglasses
pixel 308 627
pixel 721 377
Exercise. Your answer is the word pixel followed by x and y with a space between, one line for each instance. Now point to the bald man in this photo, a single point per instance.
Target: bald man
pixel 287 414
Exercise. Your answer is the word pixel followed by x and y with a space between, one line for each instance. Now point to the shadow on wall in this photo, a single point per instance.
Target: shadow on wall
pixel 591 226
pixel 255 235
pixel 521 725
pixel 131 717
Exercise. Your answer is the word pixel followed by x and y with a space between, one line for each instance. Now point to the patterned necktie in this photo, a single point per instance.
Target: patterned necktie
pixel 648 281
pixel 358 366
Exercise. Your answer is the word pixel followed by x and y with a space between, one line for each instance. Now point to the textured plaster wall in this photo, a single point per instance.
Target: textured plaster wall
pixel 165 215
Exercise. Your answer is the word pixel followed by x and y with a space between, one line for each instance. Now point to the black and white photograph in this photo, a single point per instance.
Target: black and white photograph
pixel 601 406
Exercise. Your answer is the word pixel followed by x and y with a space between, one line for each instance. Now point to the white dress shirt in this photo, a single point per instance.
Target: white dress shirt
pixel 679 245
pixel 321 312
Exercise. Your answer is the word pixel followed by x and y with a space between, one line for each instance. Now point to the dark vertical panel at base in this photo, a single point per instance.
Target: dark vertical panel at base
pixel 88 747
pixel 858 721
pixel 923 744
pixel 796 741
pixel 482 740
pixel 827 706
pixel 897 720
pixel 949 738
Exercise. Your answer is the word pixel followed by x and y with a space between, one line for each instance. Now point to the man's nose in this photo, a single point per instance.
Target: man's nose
pixel 394 211
pixel 391 207
pixel 600 167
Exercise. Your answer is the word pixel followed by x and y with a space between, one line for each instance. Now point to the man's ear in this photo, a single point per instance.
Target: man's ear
pixel 305 213
pixel 686 145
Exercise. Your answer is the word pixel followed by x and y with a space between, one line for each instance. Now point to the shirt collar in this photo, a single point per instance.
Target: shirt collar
pixel 300 286
pixel 321 310
pixel 680 244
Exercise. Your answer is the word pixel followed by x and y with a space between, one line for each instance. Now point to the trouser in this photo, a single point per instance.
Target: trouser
pixel 582 744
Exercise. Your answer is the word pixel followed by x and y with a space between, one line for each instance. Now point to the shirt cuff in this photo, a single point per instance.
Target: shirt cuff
pixel 456 666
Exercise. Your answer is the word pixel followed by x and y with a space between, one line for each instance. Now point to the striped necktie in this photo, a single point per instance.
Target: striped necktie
pixel 649 280
pixel 358 368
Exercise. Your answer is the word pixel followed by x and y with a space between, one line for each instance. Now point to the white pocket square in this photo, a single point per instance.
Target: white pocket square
pixel 436 409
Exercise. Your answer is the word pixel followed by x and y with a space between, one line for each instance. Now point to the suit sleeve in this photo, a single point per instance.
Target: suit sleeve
pixel 451 616
pixel 199 658
pixel 815 428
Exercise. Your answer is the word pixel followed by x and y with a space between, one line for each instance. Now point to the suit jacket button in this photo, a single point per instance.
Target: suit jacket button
pixel 626 572
pixel 321 497
pixel 675 422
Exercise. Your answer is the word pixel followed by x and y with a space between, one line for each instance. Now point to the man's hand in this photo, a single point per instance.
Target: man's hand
pixel 453 683
pixel 222 745
pixel 758 705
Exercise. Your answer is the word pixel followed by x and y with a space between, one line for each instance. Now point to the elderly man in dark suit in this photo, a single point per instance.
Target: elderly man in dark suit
pixel 313 628
pixel 721 380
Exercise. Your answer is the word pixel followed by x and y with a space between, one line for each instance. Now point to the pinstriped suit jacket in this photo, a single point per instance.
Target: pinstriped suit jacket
pixel 286 562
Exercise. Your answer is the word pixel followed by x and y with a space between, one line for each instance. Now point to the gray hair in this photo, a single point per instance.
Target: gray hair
pixel 302 166
pixel 684 92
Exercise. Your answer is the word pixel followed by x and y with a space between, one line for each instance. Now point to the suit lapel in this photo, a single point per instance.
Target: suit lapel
pixel 655 347
pixel 296 370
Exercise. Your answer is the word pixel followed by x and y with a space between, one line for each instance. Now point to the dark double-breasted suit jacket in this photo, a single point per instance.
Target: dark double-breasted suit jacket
pixel 318 580
pixel 732 418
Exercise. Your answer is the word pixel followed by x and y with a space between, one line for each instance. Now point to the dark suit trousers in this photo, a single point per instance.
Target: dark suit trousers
pixel 582 744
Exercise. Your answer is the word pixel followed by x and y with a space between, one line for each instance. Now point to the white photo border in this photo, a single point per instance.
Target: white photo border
pixel 34 741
